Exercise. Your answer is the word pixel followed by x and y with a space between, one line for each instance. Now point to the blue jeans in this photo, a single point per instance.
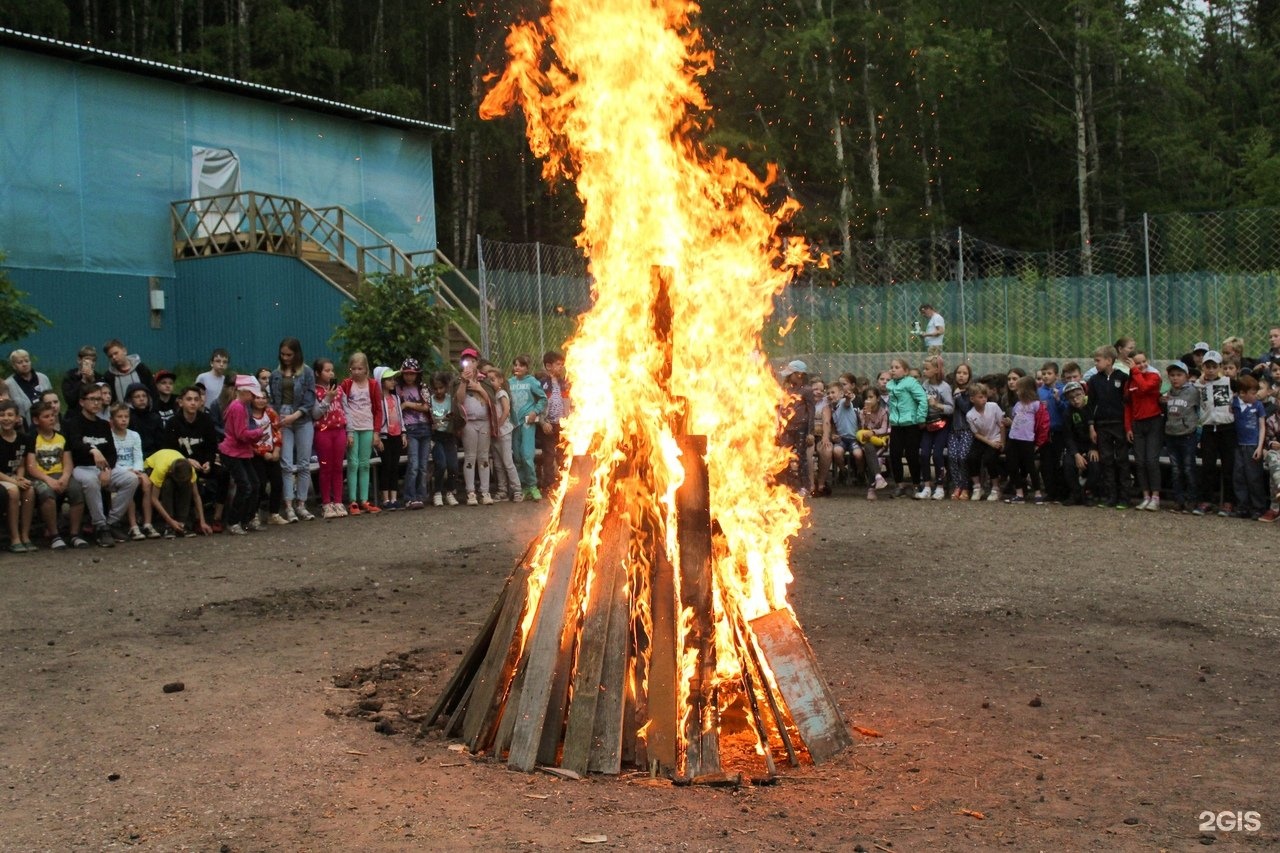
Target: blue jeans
pixel 444 459
pixel 417 439
pixel 1182 466
pixel 295 456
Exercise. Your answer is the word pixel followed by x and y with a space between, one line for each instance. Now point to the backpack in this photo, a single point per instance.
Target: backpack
pixel 1042 424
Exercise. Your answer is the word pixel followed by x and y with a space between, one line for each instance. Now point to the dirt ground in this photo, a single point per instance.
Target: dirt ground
pixel 1149 640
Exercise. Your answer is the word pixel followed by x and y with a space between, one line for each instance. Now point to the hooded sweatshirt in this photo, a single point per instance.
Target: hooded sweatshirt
pixel 120 380
pixel 145 422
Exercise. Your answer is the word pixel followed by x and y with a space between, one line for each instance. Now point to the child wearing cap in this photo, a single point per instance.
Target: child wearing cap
pixel 796 417
pixel 165 402
pixel 1080 454
pixel 1182 407
pixel 392 439
pixel 1217 436
pixel 239 437
pixel 414 410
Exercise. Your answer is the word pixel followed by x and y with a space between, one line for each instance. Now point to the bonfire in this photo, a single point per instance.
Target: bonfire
pixel 648 625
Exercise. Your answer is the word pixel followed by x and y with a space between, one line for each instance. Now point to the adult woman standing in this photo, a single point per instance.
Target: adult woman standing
pixel 25 384
pixel 292 392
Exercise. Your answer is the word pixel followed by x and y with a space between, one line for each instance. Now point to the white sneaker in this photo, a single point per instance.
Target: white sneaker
pixel 939 493
pixel 301 511
pixel 1144 503
pixel 450 498
pixel 288 514
pixel 471 499
pixel 254 524
pixel 277 518
pixel 237 530
pixel 1153 504
pixel 486 499
pixel 517 498
pixel 993 495
pixel 881 482
pixel 923 494
pixel 437 499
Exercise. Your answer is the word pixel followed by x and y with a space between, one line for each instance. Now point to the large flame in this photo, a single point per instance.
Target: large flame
pixel 610 92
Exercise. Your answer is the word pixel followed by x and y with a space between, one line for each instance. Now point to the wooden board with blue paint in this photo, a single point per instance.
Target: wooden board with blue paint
pixel 812 707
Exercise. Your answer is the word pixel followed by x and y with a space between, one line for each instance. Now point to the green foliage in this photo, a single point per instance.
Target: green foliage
pixel 17 319
pixel 396 317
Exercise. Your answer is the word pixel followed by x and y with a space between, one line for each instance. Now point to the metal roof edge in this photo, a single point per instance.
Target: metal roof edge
pixel 195 77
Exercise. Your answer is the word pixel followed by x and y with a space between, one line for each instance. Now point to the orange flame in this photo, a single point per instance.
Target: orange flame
pixel 610 93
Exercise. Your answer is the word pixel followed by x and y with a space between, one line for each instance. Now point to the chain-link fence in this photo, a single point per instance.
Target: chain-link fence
pixel 530 296
pixel 1166 281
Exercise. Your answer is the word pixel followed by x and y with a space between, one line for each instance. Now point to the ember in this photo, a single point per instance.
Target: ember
pixel 648 624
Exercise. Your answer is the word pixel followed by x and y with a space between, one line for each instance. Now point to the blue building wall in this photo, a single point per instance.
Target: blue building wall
pixel 246 303
pixel 90 160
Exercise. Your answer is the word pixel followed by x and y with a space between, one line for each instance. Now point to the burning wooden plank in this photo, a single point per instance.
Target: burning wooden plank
pixel 693 524
pixel 591 689
pixel 812 707
pixel 542 655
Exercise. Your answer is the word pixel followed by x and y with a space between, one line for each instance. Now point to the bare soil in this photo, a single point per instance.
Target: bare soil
pixel 1040 678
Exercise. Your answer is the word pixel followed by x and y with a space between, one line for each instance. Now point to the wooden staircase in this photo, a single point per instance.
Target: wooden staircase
pixel 333 242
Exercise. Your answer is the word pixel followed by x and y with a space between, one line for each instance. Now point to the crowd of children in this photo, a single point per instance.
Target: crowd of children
pixel 1100 436
pixel 145 460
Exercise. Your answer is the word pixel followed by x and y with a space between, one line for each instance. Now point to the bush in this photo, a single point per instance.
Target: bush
pixel 396 317
pixel 17 319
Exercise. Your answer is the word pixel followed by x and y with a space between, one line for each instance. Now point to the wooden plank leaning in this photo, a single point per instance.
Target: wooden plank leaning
pixel 543 645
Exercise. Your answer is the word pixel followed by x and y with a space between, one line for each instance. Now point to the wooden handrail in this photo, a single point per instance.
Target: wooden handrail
pixel 255 221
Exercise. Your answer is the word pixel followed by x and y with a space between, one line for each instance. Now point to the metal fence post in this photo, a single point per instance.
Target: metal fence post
pixel 486 343
pixel 542 334
pixel 1004 280
pixel 1151 321
pixel 964 321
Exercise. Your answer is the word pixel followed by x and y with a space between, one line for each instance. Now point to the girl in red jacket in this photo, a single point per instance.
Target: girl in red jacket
pixel 363 405
pixel 1144 427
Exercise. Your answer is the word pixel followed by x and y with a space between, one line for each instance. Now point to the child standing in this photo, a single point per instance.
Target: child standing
pixel 330 418
pixel 216 376
pixel 445 422
pixel 961 440
pixel 473 400
pixel 1144 427
pixel 292 394
pixel 504 464
pixel 13 478
pixel 1251 434
pixel 239 437
pixel 1106 400
pixel 1217 436
pixel 1272 462
pixel 362 401
pixel 937 428
pixel 1051 453
pixel 266 460
pixel 392 439
pixel 986 423
pixel 129 457
pixel 1183 406
pixel 908 406
pixel 528 402
pixel 417 431
pixel 1028 420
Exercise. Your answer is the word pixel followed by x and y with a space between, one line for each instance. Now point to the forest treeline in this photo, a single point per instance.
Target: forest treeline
pixel 1032 123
